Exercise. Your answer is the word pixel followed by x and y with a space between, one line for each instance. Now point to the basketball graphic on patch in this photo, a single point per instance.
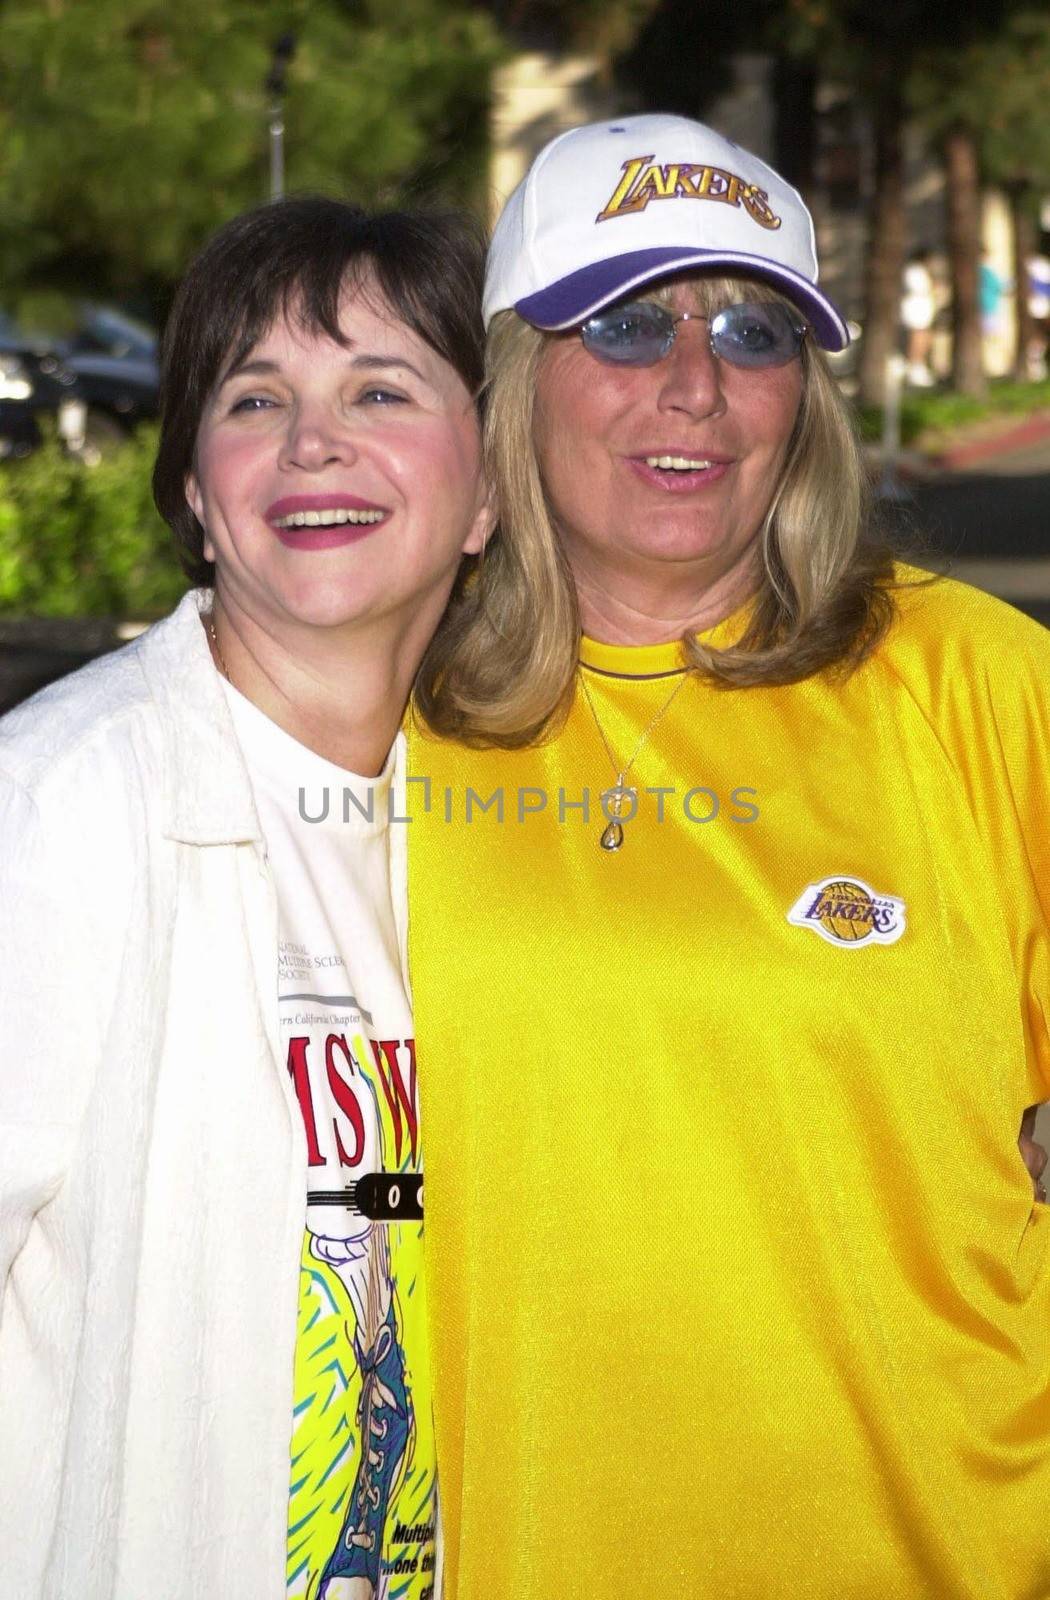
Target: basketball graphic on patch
pixel 848 913
pixel 847 910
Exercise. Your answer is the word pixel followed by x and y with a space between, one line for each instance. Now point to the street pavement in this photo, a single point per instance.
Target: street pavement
pixel 989 525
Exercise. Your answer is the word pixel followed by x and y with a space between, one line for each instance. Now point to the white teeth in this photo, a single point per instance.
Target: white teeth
pixel 677 463
pixel 327 519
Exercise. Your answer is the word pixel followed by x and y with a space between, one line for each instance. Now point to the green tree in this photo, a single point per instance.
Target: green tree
pixel 871 47
pixel 606 28
pixel 681 58
pixel 906 58
pixel 129 129
pixel 988 104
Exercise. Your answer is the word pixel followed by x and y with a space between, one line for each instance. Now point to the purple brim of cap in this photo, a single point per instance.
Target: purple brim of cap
pixel 573 299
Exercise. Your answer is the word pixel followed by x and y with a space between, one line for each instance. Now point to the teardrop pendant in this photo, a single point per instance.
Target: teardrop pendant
pixel 614 800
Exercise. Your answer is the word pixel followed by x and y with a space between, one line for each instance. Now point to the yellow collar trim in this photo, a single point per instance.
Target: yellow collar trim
pixel 632 660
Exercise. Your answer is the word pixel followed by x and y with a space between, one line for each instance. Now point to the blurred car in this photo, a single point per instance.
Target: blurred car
pixel 98 382
pixel 19 431
pixel 114 358
pixel 34 382
pixel 103 330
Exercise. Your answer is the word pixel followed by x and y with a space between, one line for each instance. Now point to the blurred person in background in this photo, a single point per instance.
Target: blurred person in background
pixel 918 310
pixel 214 1374
pixel 737 1282
pixel 1038 278
pixel 994 290
pixel 991 289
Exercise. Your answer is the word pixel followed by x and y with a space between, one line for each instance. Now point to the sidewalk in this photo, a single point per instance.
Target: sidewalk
pixel 1002 437
pixel 980 508
pixel 980 444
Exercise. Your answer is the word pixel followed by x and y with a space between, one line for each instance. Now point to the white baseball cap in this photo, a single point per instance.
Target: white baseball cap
pixel 609 207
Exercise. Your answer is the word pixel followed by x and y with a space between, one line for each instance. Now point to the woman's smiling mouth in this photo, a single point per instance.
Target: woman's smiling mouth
pixel 328 519
pixel 323 522
pixel 676 471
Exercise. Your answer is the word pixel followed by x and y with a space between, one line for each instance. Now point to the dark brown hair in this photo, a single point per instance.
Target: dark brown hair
pixel 297 257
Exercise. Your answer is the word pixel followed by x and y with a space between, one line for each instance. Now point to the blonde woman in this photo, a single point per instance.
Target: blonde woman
pixel 739 837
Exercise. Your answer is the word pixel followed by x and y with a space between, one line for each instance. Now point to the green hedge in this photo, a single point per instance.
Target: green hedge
pixel 85 541
pixel 937 415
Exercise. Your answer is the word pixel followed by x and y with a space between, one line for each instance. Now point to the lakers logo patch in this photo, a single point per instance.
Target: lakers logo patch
pixel 845 911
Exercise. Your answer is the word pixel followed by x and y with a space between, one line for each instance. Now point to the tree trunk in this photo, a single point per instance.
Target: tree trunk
pixel 1022 242
pixel 963 197
pixel 795 121
pixel 884 266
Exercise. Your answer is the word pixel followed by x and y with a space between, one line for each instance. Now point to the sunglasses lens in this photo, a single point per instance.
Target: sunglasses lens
pixel 757 335
pixel 634 335
pixel 640 333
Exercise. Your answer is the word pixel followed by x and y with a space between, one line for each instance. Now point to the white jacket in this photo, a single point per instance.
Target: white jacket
pixel 152 1156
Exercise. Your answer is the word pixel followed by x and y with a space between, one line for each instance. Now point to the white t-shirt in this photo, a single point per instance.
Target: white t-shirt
pixel 917 306
pixel 363 1480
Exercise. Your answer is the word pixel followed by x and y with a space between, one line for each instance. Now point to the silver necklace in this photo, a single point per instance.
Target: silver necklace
pixel 618 796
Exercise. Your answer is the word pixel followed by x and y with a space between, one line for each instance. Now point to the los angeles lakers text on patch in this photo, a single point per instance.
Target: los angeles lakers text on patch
pixel 847 912
pixel 643 180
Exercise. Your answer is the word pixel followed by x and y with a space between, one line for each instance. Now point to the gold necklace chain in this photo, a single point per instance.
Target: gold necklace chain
pixel 209 623
pixel 612 834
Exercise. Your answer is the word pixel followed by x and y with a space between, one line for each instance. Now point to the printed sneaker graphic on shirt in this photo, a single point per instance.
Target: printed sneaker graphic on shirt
pixel 847 912
pixel 384 1418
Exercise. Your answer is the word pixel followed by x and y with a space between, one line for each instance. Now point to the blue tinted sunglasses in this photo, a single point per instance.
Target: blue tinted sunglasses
pixel 639 333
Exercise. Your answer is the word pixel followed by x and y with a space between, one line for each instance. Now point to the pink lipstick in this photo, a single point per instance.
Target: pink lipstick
pixel 323 521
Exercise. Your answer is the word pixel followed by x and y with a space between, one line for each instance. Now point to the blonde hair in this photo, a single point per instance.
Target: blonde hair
pixel 501 668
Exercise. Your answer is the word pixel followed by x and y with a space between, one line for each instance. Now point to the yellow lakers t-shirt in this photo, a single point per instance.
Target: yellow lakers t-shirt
pixel 736 1283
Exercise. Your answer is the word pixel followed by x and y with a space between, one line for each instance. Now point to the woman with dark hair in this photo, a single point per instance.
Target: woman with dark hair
pixel 210 1179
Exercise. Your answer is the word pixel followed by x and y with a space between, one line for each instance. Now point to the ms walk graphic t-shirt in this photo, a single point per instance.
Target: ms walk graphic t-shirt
pixel 362 1505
